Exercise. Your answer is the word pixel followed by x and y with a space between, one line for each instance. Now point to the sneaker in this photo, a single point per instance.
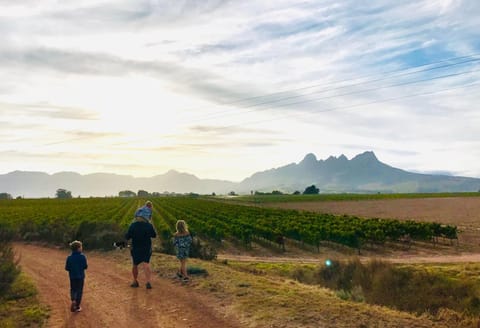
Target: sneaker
pixel 185 279
pixel 149 286
pixel 134 284
pixel 179 275
pixel 73 306
pixel 78 309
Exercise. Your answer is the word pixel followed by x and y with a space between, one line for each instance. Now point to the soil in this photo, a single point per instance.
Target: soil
pixel 108 299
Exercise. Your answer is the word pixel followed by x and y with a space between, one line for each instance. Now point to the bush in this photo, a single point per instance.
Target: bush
pixel 385 284
pixel 98 235
pixel 20 307
pixel 202 251
pixel 8 266
pixel 166 242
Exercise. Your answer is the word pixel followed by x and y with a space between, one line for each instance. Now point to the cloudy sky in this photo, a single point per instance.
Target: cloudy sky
pixel 223 89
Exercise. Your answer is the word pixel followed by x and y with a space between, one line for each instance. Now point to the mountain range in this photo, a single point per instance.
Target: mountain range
pixel 362 174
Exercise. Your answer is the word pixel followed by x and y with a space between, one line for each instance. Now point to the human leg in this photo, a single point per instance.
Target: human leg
pixel 135 272
pixel 183 267
pixel 76 293
pixel 79 293
pixel 135 276
pixel 73 295
pixel 148 271
pixel 135 263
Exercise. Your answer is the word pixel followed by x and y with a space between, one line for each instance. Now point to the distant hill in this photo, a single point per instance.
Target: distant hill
pixel 363 173
pixel 39 184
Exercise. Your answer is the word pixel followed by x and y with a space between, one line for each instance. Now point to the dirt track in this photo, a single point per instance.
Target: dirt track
pixel 108 299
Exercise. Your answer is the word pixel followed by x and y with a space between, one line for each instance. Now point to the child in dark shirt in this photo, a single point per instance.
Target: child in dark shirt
pixel 76 265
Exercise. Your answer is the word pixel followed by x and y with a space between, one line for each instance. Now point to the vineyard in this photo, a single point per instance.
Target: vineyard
pixel 100 221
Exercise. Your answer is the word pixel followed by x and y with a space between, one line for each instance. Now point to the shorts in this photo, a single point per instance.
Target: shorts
pixel 182 253
pixel 140 255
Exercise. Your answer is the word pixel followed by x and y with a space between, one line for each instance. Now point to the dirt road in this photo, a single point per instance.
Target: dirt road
pixel 108 299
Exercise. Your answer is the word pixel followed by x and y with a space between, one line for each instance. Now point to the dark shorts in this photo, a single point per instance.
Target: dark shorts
pixel 141 255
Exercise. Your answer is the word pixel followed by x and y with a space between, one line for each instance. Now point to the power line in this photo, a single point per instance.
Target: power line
pixel 354 105
pixel 385 76
pixel 355 92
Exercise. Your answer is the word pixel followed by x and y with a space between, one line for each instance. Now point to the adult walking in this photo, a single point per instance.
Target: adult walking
pixel 141 233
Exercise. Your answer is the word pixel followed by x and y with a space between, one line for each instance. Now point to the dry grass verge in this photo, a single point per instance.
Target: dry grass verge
pixel 262 299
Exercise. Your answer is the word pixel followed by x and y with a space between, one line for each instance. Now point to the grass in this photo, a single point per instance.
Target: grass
pixel 20 307
pixel 459 275
pixel 265 295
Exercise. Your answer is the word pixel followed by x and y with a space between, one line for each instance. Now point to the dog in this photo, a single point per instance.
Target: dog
pixel 120 244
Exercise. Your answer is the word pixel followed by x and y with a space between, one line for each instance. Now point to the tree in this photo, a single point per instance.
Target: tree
pixel 63 194
pixel 127 193
pixel 296 192
pixel 5 195
pixel 312 190
pixel 143 193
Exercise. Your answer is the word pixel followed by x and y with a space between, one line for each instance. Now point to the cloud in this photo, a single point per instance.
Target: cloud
pixel 83 136
pixel 221 130
pixel 48 111
pixel 201 82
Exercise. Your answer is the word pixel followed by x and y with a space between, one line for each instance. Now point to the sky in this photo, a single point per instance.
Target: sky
pixel 224 89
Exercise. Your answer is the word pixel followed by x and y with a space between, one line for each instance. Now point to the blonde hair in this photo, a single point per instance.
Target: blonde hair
pixel 182 227
pixel 75 245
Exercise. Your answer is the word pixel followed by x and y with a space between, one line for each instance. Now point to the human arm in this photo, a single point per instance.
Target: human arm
pixel 67 264
pixel 153 232
pixel 129 233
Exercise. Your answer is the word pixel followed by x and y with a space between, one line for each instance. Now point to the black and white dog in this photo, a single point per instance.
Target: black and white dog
pixel 120 244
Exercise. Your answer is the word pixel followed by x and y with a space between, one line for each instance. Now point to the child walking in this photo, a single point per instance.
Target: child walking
pixel 182 242
pixel 144 213
pixel 76 265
